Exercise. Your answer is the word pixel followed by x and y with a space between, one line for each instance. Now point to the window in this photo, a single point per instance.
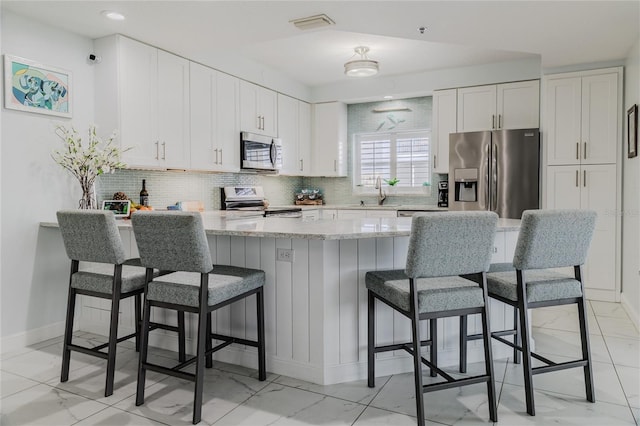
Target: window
pixel 405 156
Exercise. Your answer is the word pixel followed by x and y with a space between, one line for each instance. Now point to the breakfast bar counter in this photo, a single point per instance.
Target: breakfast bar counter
pixel 315 295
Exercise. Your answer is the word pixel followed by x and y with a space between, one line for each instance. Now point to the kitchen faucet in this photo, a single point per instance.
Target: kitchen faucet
pixel 381 195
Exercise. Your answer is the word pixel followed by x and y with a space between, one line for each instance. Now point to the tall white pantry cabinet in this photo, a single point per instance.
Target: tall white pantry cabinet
pixel 582 136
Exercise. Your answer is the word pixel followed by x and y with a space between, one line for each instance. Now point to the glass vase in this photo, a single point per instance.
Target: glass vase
pixel 88 200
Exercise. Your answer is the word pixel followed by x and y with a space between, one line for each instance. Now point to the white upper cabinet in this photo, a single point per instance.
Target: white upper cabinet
pixel 518 105
pixel 329 143
pixel 214 120
pixel 258 109
pixel 582 119
pixel 476 108
pixel 499 106
pixel 144 93
pixel 294 129
pixel 444 123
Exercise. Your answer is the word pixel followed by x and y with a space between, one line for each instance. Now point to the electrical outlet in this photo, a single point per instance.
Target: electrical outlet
pixel 285 255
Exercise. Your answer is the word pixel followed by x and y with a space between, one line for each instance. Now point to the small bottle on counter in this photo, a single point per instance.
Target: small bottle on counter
pixel 144 195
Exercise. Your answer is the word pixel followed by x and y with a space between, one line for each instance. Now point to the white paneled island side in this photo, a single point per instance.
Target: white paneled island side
pixel 315 294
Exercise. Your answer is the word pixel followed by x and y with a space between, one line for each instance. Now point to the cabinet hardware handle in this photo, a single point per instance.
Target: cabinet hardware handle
pixel 301 164
pixel 216 151
pixel 435 163
pixel 258 126
pixel 164 150
pixel 495 249
pixel 577 150
pixel 499 121
pixel 157 150
pixel 584 153
pixel 335 165
pixel 577 177
pixel 493 121
pixel 584 178
pixel 263 122
pixel 220 157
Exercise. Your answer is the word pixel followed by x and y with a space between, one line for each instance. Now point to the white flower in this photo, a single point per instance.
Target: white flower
pixel 87 162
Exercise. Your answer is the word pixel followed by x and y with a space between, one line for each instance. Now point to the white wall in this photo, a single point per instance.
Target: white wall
pixel 631 197
pixel 33 186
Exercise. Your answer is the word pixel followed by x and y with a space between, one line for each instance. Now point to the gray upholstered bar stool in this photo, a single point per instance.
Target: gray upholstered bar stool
pixel 442 246
pixel 92 237
pixel 548 239
pixel 176 241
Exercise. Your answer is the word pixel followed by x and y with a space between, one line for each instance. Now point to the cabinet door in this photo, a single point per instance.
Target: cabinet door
pixel 518 105
pixel 288 133
pixel 477 108
pixel 600 118
pixel 304 137
pixel 173 110
pixel 352 214
pixel 204 152
pixel 381 213
pixel 563 187
pixel 228 122
pixel 597 193
pixel 329 139
pixel 563 120
pixel 444 123
pixel 250 120
pixel 138 102
pixel 268 109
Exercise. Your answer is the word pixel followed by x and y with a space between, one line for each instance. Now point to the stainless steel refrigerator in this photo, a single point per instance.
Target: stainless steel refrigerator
pixel 495 170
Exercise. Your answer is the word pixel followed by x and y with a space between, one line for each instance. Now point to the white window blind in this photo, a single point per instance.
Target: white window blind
pixel 404 156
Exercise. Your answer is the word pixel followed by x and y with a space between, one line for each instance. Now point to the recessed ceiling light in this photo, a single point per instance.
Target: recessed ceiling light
pixel 311 22
pixel 110 14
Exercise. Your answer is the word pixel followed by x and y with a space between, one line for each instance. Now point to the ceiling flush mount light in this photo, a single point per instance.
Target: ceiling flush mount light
pixel 114 16
pixel 363 66
pixel 311 22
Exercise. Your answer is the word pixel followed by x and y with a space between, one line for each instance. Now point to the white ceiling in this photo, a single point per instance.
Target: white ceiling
pixel 562 33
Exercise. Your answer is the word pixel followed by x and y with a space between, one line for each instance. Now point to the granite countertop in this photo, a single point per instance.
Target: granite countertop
pixel 252 224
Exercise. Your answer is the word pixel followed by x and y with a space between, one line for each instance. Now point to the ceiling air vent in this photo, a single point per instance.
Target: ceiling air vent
pixel 315 21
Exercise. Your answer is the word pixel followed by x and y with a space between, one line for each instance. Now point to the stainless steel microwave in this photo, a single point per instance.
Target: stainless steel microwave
pixel 260 152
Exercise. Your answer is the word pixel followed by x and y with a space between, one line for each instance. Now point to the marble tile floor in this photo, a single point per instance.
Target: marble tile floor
pixel 31 393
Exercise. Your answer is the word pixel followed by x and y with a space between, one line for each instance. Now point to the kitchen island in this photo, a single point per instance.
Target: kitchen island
pixel 315 295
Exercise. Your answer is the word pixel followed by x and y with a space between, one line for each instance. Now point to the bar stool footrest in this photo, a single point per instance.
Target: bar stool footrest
pixel 455 383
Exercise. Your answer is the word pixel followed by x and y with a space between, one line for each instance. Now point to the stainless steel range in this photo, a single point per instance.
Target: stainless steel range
pixel 252 198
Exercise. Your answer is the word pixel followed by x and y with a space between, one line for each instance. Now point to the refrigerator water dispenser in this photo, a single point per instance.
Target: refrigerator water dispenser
pixel 466 185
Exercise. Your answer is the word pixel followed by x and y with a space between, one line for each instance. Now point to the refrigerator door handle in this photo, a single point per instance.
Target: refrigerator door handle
pixel 487 199
pixel 494 177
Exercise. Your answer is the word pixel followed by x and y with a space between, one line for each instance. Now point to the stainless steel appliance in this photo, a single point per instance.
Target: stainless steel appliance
pixel 260 153
pixel 251 198
pixel 495 170
pixel 443 194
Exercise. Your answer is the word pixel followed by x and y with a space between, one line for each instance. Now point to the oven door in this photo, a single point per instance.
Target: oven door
pixel 260 152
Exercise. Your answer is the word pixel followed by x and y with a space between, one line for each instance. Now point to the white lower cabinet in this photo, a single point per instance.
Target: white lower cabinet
pixel 591 187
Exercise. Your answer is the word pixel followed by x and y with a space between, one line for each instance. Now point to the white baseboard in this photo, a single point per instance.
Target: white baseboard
pixel 26 338
pixel 631 311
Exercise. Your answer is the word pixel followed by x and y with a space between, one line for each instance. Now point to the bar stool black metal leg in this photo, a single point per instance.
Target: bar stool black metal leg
pixel 138 314
pixel 463 343
pixel 209 356
pixel 488 356
pixel 262 363
pixel 417 357
pixel 200 349
pixel 182 356
pixel 113 330
pixel 433 332
pixel 144 346
pixel 526 350
pixel 371 339
pixel 516 337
